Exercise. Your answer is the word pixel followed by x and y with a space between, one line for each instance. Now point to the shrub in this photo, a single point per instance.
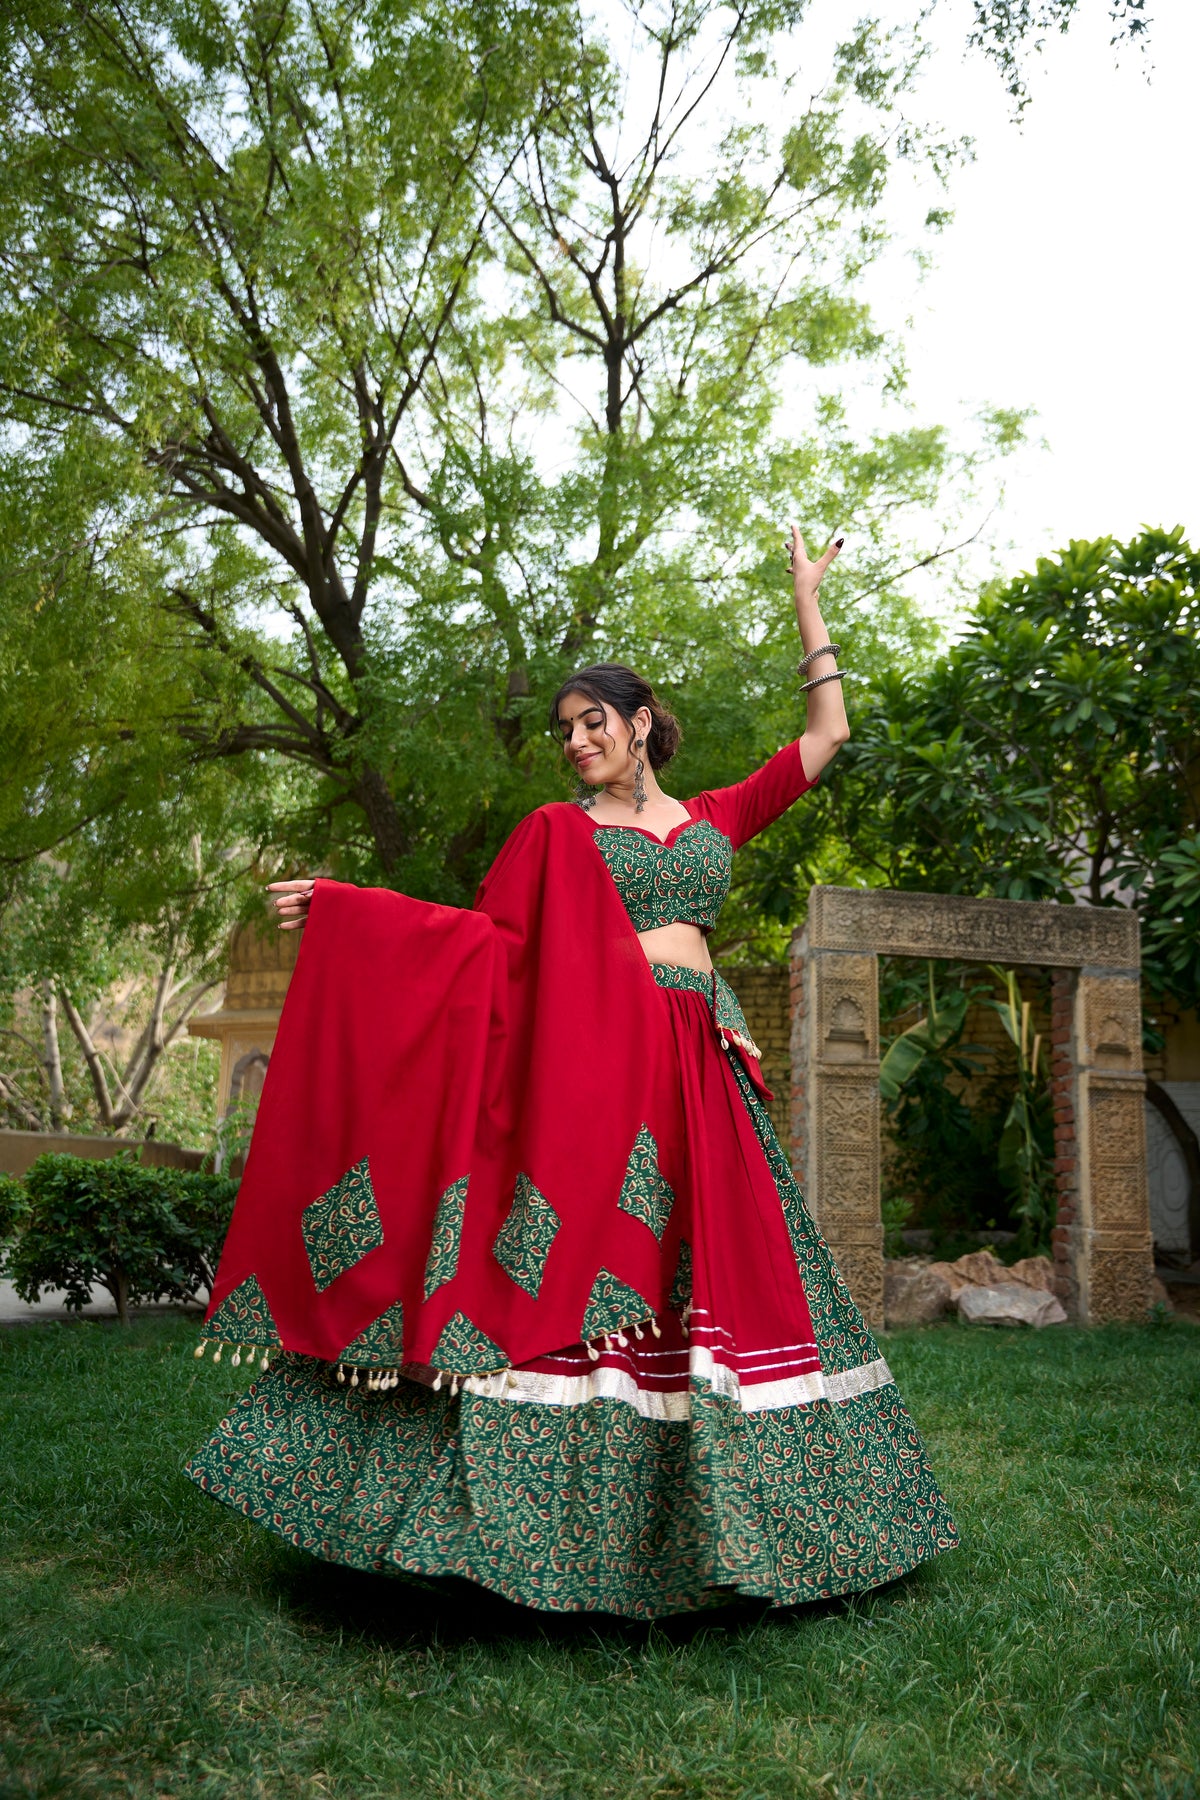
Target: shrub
pixel 14 1205
pixel 144 1234
pixel 202 1204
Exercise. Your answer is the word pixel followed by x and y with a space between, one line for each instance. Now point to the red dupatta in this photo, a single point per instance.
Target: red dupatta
pixel 466 1142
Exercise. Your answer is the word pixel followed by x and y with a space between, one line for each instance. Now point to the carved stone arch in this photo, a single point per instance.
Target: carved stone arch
pixel 248 1075
pixel 1102 1242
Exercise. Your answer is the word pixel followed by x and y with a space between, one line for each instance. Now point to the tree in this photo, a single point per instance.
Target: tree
pixel 122 860
pixel 1005 29
pixel 453 392
pixel 1053 753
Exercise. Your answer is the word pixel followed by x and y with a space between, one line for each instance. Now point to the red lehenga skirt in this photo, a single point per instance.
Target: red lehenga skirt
pixel 748 1441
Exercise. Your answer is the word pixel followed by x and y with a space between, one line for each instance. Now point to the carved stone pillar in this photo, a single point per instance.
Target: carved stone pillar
pixel 835 1076
pixel 1112 1254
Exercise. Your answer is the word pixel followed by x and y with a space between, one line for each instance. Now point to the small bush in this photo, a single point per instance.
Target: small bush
pixel 142 1233
pixel 14 1206
pixel 203 1205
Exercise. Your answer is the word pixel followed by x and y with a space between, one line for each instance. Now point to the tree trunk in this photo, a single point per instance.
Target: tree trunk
pixel 60 1111
pixel 371 792
pixel 118 1287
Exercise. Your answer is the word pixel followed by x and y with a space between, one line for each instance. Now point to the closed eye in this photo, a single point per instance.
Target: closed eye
pixel 592 721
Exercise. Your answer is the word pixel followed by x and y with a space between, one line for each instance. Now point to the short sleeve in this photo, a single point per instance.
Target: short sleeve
pixel 747 808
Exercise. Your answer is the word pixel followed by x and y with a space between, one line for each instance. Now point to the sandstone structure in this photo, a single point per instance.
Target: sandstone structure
pixel 261 960
pixel 1103 1255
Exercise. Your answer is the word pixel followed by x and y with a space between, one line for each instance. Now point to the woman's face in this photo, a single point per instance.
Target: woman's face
pixel 595 739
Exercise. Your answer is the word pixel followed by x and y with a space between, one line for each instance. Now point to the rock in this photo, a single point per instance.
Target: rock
pixel 983 1269
pixel 979 1269
pixel 1009 1304
pixel 1034 1272
pixel 914 1294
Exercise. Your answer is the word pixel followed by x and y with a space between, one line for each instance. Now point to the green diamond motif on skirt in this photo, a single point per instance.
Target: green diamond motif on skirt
pixel 465 1350
pixel 612 1304
pixel 447 1235
pixel 341 1226
pixel 644 1192
pixel 681 1287
pixel 243 1317
pixel 381 1345
pixel 523 1241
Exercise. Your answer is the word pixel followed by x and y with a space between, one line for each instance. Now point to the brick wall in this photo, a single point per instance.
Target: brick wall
pixel 764 997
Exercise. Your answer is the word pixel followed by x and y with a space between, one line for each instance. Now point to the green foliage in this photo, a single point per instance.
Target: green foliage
pixel 1170 907
pixel 1052 753
pixel 1008 29
pixel 143 1233
pixel 405 409
pixel 896 1211
pixel 945 1153
pixel 1025 1156
pixel 123 860
pixel 964 1155
pixel 14 1208
pixel 158 1644
pixel 202 1205
pixel 933 1036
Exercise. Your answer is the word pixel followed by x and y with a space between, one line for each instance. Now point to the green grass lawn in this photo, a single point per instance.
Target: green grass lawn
pixel 154 1644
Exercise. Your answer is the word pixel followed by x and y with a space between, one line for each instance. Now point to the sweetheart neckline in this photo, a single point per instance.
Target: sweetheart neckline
pixel 644 830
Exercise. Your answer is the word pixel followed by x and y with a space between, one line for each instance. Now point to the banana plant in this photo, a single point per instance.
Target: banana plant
pixel 1024 1164
pixel 928 1037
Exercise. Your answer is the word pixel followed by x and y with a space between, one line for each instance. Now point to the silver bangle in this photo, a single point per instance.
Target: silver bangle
pixel 838 675
pixel 825 650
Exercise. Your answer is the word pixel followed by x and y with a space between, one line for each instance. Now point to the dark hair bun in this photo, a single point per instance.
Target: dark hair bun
pixel 625 691
pixel 666 734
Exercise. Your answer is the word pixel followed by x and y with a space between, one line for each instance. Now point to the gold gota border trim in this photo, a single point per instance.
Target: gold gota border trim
pixel 526 1388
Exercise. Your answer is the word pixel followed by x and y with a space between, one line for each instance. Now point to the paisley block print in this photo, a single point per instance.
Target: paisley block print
pixel 661 884
pixel 728 1016
pixel 523 1241
pixel 465 1350
pixel 681 1287
pixel 588 1508
pixel 611 1305
pixel 447 1235
pixel 381 1345
pixel 243 1317
pixel 342 1226
pixel 595 1506
pixel 659 1474
pixel 645 1194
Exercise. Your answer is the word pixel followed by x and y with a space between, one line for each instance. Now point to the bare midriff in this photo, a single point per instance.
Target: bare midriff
pixel 683 945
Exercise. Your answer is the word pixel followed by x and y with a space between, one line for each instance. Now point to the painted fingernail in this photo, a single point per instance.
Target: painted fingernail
pixel 838 542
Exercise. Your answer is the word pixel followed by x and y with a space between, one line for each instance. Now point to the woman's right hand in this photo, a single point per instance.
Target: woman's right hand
pixel 291 901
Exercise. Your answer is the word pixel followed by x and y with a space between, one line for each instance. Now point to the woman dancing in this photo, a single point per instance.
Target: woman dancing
pixel 533 1293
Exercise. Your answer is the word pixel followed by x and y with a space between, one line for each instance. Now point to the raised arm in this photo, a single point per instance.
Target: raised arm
pixel 826 729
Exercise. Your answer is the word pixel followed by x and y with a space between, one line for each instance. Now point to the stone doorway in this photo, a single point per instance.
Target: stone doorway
pixel 1102 1246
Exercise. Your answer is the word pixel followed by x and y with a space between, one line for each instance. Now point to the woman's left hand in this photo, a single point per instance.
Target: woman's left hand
pixel 291 902
pixel 806 575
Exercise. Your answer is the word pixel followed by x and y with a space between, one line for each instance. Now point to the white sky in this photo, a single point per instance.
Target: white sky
pixel 1068 279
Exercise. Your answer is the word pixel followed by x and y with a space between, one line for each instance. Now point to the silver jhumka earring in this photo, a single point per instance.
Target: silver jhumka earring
pixel 584 795
pixel 639 786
